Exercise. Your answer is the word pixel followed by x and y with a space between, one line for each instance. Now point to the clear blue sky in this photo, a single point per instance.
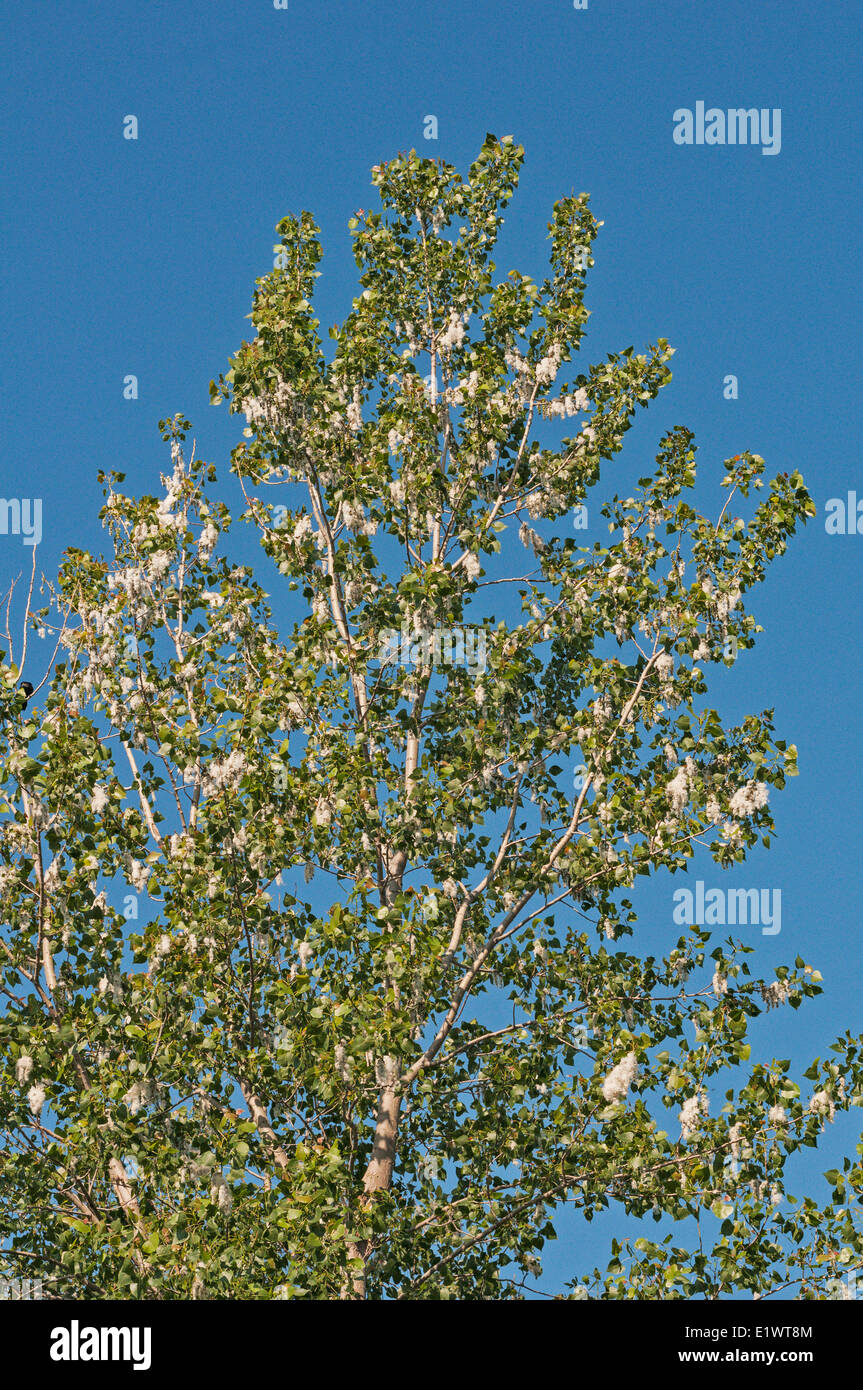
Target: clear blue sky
pixel 139 257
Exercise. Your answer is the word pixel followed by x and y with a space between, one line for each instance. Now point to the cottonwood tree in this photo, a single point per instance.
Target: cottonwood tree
pixel 375 1023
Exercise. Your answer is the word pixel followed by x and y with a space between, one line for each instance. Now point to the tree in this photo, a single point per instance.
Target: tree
pixel 377 1022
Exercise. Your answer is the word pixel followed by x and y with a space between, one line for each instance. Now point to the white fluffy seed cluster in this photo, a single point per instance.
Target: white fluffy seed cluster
pixel 354 517
pixel 822 1104
pixel 678 789
pixel 775 994
pixel 749 799
pixel 221 1194
pixel 549 366
pixel 271 409
pixel 453 337
pixel 691 1113
pixel 36 1098
pixel 386 1071
pixel 619 1079
pixel 137 874
pixel 139 1094
pixel 225 774
pixel 566 406
pixel 530 540
pixel 344 1066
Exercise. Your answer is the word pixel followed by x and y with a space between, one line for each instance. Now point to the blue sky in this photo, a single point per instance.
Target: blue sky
pixel 139 257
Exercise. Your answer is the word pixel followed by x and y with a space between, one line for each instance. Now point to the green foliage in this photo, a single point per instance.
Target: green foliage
pixel 287 1075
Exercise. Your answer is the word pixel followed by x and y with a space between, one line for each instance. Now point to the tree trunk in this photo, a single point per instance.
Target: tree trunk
pixel 379 1173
